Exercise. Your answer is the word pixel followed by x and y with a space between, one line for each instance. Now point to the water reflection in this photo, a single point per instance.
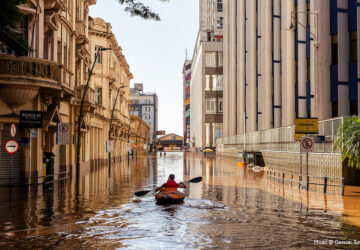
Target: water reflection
pixel 232 208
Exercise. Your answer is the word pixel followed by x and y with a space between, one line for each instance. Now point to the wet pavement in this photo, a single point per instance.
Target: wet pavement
pixel 232 208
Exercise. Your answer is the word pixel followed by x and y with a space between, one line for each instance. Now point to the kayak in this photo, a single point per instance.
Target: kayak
pixel 169 196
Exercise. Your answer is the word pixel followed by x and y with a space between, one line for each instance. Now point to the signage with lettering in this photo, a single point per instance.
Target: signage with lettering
pixel 160 132
pixel 30 119
pixel 306 126
pixel 62 133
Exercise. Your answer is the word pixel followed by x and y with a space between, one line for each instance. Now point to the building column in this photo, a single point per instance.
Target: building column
pixel 302 60
pixel 288 65
pixel 232 67
pixel 343 57
pixel 225 70
pixel 251 92
pixel 277 62
pixel 267 65
pixel 321 59
pixel 241 67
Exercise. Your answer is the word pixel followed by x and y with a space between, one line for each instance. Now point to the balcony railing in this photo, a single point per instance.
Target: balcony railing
pixel 89 97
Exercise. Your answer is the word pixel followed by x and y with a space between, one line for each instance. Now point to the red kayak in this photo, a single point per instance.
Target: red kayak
pixel 169 196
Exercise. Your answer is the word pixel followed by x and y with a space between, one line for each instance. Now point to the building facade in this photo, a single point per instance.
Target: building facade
pixel 51 80
pixel 110 84
pixel 139 136
pixel 206 78
pixel 186 101
pixel 145 105
pixel 287 59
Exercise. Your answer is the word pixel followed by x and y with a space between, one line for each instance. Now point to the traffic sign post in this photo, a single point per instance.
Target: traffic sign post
pixel 307 145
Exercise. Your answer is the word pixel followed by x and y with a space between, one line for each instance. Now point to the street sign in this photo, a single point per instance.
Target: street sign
pixel 23 141
pixel 306 126
pixel 307 144
pixel 298 137
pixel 30 119
pixel 13 130
pixel 160 132
pixel 11 146
pixel 62 133
pixel 33 133
pixel 318 138
pixel 109 146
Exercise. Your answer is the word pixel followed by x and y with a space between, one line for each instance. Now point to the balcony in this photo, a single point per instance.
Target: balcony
pixel 23 78
pixel 89 101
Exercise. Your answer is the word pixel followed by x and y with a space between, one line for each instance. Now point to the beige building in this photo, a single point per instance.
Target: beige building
pixel 139 136
pixel 111 72
pixel 51 79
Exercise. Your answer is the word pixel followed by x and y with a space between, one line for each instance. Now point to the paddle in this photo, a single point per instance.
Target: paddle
pixel 142 193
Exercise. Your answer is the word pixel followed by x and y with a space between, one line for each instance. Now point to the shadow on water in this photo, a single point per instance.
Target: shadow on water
pixel 232 208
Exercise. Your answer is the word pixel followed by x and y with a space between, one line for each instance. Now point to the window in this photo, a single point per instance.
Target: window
pixel 211 106
pixel 207 134
pixel 219 82
pixel 219 23
pixel 210 59
pixel 353 46
pixel 219 6
pixel 217 132
pixel 220 59
pixel 99 58
pixel 220 107
pixel 214 82
pixel 207 82
pixel 98 95
pixel 59 52
pixel 334 50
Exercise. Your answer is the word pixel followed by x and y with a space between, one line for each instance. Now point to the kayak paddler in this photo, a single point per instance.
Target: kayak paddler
pixel 171 183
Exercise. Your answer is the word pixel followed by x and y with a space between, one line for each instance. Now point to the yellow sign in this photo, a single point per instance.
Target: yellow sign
pixel 297 137
pixel 306 126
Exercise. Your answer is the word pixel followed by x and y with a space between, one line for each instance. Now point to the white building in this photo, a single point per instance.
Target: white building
pixel 206 78
pixel 145 105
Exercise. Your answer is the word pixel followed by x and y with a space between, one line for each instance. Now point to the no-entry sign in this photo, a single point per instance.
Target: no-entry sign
pixel 13 130
pixel 11 146
pixel 307 144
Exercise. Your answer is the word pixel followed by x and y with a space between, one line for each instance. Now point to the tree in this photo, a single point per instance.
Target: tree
pixel 137 8
pixel 348 141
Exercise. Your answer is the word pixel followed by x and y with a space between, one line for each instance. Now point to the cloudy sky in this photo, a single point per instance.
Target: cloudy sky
pixel 155 50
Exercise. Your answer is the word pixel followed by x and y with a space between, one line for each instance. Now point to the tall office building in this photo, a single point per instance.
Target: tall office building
pixel 286 59
pixel 206 78
pixel 145 105
pixel 186 101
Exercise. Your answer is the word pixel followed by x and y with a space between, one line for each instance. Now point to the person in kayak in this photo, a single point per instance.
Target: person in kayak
pixel 171 183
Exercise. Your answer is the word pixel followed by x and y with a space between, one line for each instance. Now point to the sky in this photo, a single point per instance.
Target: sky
pixel 155 50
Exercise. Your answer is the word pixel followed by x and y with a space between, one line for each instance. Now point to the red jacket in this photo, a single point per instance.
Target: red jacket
pixel 171 184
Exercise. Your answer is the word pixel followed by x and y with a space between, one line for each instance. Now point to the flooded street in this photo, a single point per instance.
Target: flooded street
pixel 232 208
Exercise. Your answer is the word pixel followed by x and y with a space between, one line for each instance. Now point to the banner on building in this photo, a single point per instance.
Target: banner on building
pixel 62 133
pixel 160 132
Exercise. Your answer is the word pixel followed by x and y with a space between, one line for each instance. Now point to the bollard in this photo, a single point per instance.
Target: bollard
pixel 307 183
pixel 325 184
pixel 300 181
pixel 283 178
pixel 291 180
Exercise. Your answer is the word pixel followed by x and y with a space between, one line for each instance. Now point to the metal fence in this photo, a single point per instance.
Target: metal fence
pixel 282 139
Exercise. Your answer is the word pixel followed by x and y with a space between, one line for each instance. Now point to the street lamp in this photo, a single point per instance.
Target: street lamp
pixel 80 114
pixel 112 115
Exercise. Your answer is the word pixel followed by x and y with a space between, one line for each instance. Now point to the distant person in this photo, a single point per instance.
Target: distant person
pixel 171 183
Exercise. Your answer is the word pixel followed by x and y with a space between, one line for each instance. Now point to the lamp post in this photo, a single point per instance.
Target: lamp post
pixel 80 114
pixel 112 115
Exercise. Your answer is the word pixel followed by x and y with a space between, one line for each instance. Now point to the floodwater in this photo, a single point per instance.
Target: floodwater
pixel 232 208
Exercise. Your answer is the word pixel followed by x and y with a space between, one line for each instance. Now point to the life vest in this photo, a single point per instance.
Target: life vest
pixel 171 184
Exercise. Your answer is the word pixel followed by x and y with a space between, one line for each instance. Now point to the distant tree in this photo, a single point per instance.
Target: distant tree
pixel 348 141
pixel 137 8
